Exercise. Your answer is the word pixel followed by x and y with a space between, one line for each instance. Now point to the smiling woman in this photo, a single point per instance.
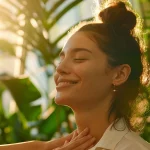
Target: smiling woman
pixel 85 65
pixel 99 77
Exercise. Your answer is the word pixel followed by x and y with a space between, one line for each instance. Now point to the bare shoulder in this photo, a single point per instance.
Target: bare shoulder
pixel 132 141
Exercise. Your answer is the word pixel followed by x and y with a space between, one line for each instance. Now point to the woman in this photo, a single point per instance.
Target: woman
pixel 99 77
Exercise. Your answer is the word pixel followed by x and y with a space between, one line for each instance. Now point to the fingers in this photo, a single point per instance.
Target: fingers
pixel 58 142
pixel 86 145
pixel 84 133
pixel 54 144
pixel 78 142
pixel 75 134
pixel 66 142
pixel 81 143
pixel 68 137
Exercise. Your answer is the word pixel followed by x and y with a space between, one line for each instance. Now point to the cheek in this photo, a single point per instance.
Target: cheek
pixel 93 73
pixel 95 79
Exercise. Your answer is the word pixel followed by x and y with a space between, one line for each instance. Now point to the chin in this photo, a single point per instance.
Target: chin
pixel 63 102
pixel 59 100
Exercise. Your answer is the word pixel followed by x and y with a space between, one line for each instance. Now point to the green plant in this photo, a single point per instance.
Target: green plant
pixel 30 21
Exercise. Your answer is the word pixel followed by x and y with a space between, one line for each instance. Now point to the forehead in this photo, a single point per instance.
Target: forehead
pixel 80 40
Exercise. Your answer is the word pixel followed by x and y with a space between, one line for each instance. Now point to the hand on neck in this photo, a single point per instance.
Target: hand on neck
pixel 95 119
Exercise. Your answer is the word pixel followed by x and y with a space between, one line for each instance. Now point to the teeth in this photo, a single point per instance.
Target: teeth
pixel 66 83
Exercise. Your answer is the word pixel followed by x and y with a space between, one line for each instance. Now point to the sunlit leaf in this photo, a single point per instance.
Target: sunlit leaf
pixel 24 92
pixel 52 124
pixel 65 10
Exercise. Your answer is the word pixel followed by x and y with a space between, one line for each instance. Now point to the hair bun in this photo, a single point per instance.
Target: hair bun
pixel 118 14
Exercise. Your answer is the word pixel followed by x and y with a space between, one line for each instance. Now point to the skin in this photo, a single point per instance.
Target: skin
pixel 84 81
pixel 85 65
pixel 80 141
pixel 73 141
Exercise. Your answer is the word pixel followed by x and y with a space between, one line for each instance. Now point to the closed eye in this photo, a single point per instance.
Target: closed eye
pixel 79 60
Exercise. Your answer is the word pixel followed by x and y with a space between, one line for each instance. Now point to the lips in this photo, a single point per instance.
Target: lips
pixel 61 83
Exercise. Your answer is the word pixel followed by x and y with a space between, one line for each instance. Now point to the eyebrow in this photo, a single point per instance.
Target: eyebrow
pixel 75 50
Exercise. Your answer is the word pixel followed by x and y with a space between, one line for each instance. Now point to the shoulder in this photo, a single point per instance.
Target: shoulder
pixel 132 141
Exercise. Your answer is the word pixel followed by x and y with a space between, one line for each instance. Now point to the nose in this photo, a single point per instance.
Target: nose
pixel 63 68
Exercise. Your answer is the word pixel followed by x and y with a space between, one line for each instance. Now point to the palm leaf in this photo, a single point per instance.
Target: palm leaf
pixel 66 32
pixel 55 6
pixel 65 10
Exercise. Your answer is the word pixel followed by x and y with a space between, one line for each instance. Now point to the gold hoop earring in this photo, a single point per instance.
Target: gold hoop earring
pixel 114 88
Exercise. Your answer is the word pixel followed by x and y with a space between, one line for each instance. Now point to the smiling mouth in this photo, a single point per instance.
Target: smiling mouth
pixel 65 84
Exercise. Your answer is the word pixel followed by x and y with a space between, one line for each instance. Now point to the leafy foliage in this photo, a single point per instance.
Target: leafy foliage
pixel 31 21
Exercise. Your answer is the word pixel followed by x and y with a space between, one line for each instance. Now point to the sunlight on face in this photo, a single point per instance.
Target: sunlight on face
pixel 81 75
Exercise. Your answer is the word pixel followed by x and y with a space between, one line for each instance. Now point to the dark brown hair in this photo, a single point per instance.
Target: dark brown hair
pixel 115 37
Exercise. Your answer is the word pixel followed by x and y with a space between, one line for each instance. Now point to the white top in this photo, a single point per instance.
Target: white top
pixel 121 139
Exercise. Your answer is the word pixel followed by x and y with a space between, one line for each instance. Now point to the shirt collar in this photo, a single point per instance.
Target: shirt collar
pixel 112 136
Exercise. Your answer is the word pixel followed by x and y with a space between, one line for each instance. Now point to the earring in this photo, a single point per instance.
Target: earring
pixel 114 88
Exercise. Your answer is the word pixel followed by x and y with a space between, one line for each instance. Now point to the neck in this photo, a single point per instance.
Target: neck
pixel 95 119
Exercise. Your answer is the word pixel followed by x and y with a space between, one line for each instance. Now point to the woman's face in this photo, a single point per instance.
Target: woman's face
pixel 83 77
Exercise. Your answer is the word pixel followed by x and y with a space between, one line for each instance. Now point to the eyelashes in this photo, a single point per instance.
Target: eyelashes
pixel 75 59
pixel 79 60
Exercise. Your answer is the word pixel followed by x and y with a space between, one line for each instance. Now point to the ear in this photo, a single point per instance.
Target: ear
pixel 121 74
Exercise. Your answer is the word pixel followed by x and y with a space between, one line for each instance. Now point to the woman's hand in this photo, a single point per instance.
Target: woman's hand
pixel 80 141
pixel 50 145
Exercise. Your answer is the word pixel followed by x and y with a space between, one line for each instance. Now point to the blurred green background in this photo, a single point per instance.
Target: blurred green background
pixel 32 33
